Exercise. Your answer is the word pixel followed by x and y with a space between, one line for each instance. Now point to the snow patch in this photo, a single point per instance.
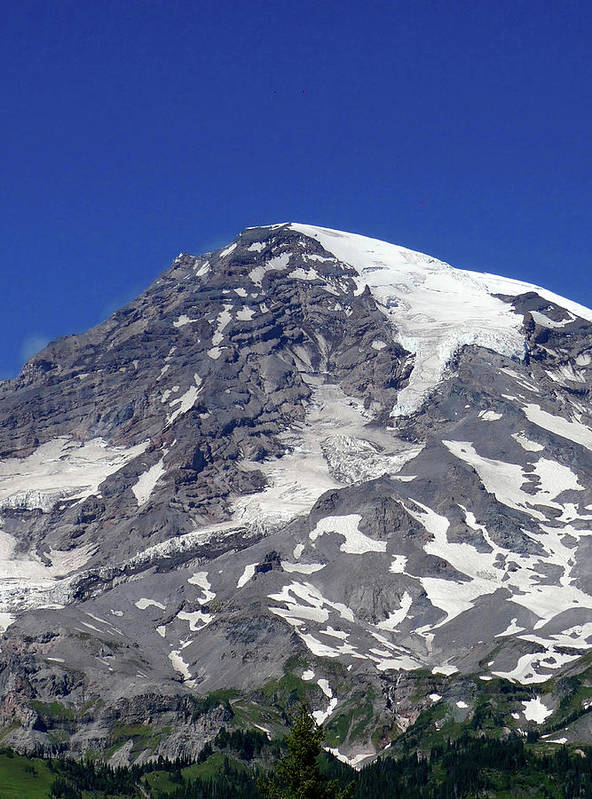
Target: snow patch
pixel 245 314
pixel 445 669
pixel 304 274
pixel 278 263
pixel 535 710
pixel 511 629
pixel 144 603
pixel 526 443
pixel 544 321
pixel 183 320
pixel 6 619
pixel 398 565
pixel 356 542
pixel 147 482
pixel 302 568
pixel 227 250
pixel 298 550
pixel 505 480
pixel 397 616
pixel 247 575
pixel 354 762
pixel 489 416
pixel 222 321
pixel 201 580
pixel 526 669
pixel 317 607
pixel 572 430
pixel 197 619
pixel 179 664
pixel 186 401
pixel 61 469
pixel 320 716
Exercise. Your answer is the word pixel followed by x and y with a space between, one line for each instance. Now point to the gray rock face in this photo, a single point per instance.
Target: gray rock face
pixel 306 448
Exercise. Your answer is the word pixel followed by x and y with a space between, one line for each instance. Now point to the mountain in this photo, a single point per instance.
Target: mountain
pixel 308 465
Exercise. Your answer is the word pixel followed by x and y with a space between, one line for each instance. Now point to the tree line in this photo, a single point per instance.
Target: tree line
pixel 252 767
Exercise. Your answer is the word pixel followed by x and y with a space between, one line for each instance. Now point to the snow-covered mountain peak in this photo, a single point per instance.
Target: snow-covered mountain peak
pixel 237 477
pixel 366 253
pixel 434 308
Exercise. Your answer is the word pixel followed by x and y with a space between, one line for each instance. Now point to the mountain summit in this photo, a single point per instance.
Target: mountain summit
pixel 308 464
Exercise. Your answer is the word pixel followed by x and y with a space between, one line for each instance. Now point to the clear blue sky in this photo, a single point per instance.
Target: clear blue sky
pixel 134 130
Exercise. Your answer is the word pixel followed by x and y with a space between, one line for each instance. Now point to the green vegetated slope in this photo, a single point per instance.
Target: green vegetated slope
pixel 23 777
pixel 472 741
pixel 469 767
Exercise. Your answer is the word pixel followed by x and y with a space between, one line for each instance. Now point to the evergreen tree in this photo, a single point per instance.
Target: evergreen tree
pixel 297 775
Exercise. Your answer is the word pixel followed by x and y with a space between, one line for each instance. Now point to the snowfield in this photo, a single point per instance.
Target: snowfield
pixel 62 469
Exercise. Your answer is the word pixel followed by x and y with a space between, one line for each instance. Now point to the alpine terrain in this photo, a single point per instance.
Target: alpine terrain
pixel 308 465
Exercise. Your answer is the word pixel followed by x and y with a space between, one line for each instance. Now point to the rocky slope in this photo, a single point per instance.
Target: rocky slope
pixel 309 464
